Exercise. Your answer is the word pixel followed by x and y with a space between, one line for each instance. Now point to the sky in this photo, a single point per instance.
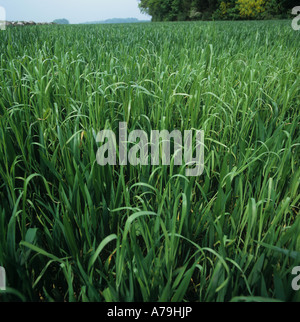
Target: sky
pixel 76 11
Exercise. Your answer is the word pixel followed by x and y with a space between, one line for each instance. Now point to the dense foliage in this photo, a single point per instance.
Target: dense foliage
pixel 174 10
pixel 71 230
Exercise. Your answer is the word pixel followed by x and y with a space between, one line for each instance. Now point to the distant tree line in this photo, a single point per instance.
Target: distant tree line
pixel 180 10
pixel 115 20
pixel 62 21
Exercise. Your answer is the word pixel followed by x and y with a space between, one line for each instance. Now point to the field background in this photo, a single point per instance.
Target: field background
pixel 71 230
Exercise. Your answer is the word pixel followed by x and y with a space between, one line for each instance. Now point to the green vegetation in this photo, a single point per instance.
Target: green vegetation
pixel 178 10
pixel 75 231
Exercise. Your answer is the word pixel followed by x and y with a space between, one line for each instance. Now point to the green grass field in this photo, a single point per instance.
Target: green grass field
pixel 71 230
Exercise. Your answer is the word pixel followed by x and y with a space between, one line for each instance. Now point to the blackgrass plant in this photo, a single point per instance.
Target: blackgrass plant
pixel 71 230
